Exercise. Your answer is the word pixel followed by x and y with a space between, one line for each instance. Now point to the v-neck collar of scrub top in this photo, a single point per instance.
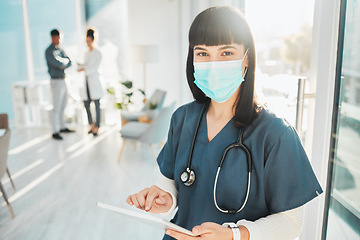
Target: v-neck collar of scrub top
pixel 221 132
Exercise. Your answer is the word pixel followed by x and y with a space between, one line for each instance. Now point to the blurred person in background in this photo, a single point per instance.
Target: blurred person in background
pixel 57 61
pixel 92 89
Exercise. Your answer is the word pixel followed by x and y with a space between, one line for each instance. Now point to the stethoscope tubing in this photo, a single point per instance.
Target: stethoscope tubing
pixel 246 196
pixel 194 137
pixel 238 143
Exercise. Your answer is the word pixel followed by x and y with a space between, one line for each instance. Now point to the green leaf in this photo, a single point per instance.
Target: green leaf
pixel 119 105
pixel 152 105
pixel 142 91
pixel 128 84
pixel 111 90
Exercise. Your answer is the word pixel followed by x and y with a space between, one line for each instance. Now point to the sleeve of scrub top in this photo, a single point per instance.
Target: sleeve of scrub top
pixel 166 158
pixel 289 179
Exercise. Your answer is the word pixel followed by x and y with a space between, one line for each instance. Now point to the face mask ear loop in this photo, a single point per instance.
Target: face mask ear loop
pixel 245 54
pixel 245 73
pixel 245 67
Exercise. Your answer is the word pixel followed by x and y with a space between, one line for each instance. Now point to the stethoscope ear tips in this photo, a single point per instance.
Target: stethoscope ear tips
pixel 188 177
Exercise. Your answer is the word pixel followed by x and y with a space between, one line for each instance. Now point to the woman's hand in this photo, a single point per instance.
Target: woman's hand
pixel 206 231
pixel 153 199
pixel 80 69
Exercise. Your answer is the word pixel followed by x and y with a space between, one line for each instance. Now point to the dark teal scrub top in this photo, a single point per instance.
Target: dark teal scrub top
pixel 281 178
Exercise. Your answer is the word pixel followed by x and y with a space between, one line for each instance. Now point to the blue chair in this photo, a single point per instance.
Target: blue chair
pixel 149 133
pixel 157 98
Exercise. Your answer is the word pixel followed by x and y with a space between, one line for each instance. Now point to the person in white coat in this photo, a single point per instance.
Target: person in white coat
pixel 92 90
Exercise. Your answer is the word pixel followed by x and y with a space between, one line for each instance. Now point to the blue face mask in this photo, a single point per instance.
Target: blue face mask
pixel 219 80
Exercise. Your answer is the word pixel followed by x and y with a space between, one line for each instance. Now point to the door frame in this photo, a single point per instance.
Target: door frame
pixel 322 82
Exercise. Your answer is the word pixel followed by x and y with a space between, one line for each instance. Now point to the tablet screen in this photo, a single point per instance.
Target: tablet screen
pixel 146 218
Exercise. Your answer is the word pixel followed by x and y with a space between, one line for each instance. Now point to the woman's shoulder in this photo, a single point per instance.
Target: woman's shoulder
pixel 193 106
pixel 187 112
pixel 269 126
pixel 271 120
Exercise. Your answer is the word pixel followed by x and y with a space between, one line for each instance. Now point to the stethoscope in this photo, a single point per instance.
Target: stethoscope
pixel 188 176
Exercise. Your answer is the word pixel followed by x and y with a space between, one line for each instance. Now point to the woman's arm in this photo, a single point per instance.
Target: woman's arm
pixel 168 185
pixel 280 226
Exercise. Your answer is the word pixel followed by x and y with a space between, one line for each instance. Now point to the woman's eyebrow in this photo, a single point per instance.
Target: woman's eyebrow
pixel 200 48
pixel 222 48
pixel 226 47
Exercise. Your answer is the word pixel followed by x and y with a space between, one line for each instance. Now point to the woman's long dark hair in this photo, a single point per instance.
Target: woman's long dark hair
pixel 220 26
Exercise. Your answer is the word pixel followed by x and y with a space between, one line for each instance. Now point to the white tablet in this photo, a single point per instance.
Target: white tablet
pixel 147 218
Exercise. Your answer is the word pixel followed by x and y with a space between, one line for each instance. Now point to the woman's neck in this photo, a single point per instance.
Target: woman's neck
pixel 220 110
pixel 223 110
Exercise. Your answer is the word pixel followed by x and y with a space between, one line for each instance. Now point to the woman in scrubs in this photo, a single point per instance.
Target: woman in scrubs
pixel 259 191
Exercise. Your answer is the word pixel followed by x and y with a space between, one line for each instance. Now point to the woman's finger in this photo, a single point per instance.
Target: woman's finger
pixel 160 201
pixel 179 235
pixel 139 198
pixel 135 201
pixel 128 200
pixel 203 228
pixel 153 193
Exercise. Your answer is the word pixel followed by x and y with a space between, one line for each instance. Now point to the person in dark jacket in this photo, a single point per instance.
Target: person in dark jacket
pixel 57 62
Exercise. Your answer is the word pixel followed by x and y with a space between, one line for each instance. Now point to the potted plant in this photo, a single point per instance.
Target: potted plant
pixel 124 100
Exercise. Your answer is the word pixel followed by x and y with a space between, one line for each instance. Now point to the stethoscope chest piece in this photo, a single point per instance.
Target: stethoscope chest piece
pixel 188 177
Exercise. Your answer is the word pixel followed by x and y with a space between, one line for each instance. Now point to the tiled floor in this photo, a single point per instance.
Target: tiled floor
pixel 59 182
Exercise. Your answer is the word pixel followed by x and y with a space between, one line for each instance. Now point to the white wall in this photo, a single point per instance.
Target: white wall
pixel 157 22
pixel 112 26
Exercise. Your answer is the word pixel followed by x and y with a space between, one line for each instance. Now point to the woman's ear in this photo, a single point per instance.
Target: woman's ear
pixel 246 60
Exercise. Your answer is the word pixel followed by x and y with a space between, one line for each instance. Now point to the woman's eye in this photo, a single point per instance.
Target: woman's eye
pixel 227 53
pixel 202 54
